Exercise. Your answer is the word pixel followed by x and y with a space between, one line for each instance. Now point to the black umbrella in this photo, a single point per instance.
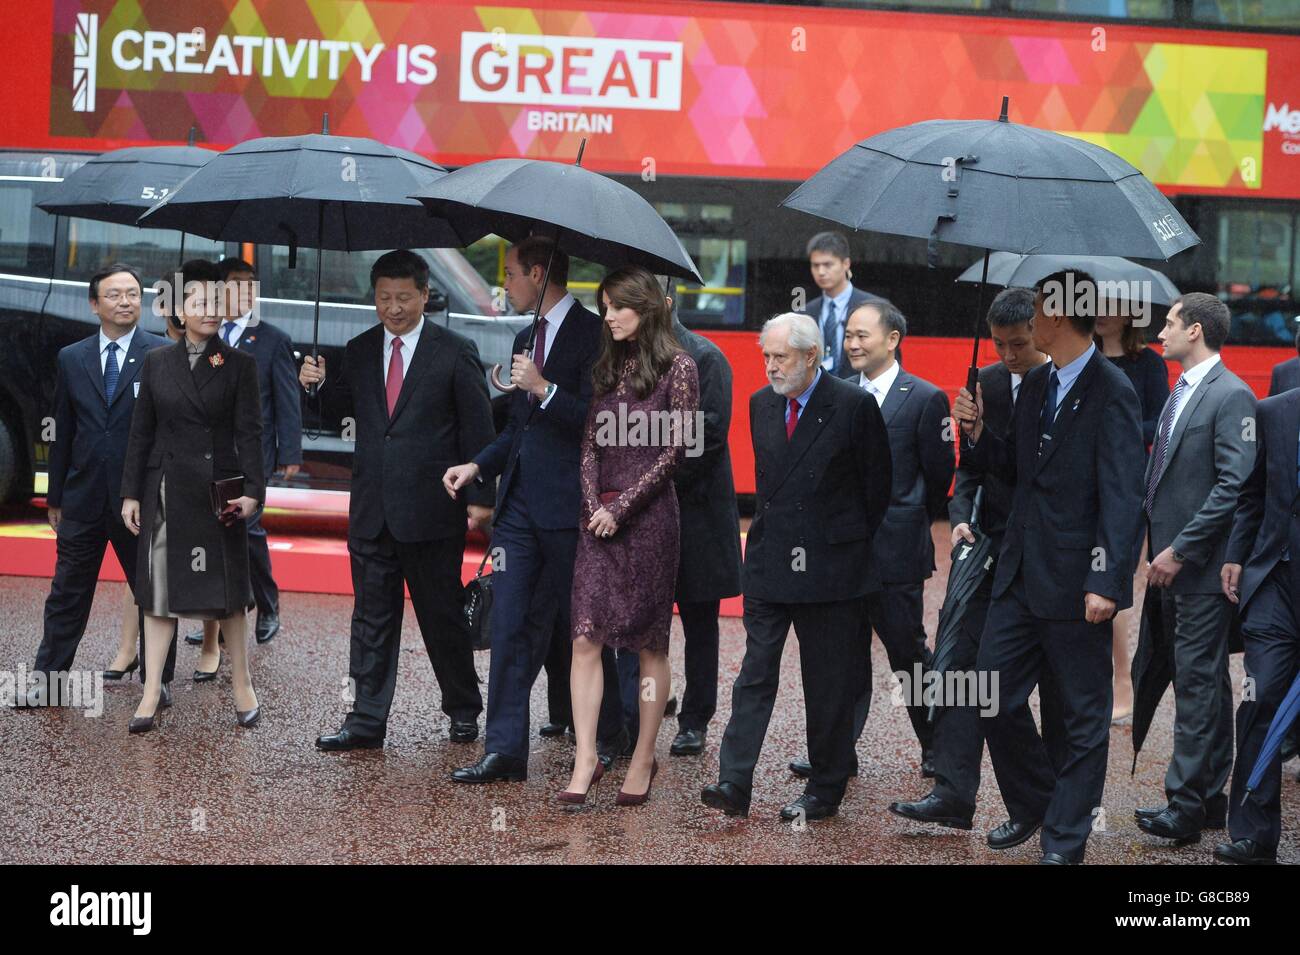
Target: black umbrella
pixel 594 217
pixel 1287 713
pixel 1011 268
pixel 119 186
pixel 996 185
pixel 317 191
pixel 970 565
pixel 1153 665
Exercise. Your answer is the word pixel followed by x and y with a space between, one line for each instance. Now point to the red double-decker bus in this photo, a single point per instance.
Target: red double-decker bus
pixel 714 112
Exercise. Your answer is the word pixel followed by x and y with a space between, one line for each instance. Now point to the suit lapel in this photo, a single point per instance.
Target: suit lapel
pixel 178 364
pixel 1185 418
pixel 1070 406
pixel 211 363
pixel 811 422
pixel 1291 439
pixel 130 366
pixel 90 360
pixel 897 396
pixel 425 346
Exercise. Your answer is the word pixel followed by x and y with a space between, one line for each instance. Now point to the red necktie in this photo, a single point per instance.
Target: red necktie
pixel 539 350
pixel 791 418
pixel 394 384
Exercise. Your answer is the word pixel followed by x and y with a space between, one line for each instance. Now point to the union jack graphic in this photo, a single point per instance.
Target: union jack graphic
pixel 85 51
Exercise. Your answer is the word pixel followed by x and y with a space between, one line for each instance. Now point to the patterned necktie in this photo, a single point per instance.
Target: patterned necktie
pixel 1162 441
pixel 791 418
pixel 226 329
pixel 1048 415
pixel 110 372
pixel 539 351
pixel 393 386
pixel 828 330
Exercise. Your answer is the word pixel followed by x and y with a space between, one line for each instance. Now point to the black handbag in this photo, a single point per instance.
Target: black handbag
pixel 478 605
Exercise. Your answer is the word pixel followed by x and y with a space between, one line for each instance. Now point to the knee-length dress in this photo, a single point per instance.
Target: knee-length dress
pixel 623 585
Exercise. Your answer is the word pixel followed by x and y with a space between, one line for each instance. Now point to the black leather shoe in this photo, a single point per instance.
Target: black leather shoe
pixel 934 808
pixel 1216 812
pixel 493 768
pixel 670 708
pixel 203 676
pixel 463 731
pixel 1012 833
pixel 1171 824
pixel 346 739
pixel 727 797
pixel 118 674
pixel 248 718
pixel 1245 852
pixel 1055 858
pixel 809 808
pixel 194 639
pixel 611 749
pixel 687 742
pixel 551 729
pixel 165 700
pixel 803 769
pixel 268 625
pixel 927 764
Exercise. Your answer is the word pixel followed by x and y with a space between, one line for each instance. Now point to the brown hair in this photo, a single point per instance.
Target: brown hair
pixel 636 288
pixel 535 251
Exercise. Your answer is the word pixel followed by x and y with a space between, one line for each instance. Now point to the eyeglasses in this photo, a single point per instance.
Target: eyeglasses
pixel 116 295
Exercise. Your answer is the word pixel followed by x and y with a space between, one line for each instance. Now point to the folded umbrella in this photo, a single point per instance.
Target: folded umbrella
pixel 996 185
pixel 1013 269
pixel 1271 749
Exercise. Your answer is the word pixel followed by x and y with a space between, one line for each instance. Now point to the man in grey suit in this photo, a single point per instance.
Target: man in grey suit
pixel 1286 374
pixel 1203 453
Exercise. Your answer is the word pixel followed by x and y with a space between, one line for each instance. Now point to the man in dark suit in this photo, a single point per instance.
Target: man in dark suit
pixel 94 395
pixel 831 267
pixel 958 744
pixel 921 449
pixel 1261 575
pixel 1203 453
pixel 822 467
pixel 281 420
pixel 1286 374
pixel 419 399
pixel 539 499
pixel 1074 454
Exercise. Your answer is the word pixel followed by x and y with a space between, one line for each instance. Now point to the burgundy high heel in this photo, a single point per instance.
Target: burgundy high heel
pixel 579 799
pixel 627 799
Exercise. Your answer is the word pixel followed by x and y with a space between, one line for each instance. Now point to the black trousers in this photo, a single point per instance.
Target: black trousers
pixel 832 661
pixel 558 663
pixel 700 698
pixel 265 592
pixel 530 611
pixel 431 571
pixel 896 615
pixel 80 552
pixel 1016 648
pixel 1269 632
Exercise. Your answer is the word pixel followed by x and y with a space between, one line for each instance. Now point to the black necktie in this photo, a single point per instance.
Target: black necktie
pixel 111 371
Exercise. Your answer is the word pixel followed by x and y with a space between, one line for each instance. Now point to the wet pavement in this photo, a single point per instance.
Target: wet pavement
pixel 78 789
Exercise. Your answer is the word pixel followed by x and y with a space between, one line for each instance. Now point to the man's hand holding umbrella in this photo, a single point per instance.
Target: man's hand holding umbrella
pixel 969 413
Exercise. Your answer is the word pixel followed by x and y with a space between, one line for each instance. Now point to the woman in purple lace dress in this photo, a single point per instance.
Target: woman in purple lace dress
pixel 642 422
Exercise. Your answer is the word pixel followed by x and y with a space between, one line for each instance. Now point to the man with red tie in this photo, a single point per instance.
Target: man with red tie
pixel 417 394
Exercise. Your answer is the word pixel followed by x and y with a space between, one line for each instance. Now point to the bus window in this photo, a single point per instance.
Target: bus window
pixel 706 231
pixel 86 245
pixel 1256 271
pixel 26 233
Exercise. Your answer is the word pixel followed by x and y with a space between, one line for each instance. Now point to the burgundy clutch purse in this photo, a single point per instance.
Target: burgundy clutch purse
pixel 220 492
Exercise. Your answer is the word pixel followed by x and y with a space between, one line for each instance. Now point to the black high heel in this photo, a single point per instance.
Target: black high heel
pixel 248 718
pixel 203 676
pixel 118 674
pixel 143 724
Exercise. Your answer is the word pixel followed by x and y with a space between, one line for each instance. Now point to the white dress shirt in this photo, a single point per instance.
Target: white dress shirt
pixel 1015 387
pixel 409 341
pixel 1191 378
pixel 879 387
pixel 554 319
pixel 123 344
pixel 235 333
pixel 840 304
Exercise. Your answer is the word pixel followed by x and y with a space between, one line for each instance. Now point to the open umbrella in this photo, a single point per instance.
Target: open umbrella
pixel 594 217
pixel 1012 269
pixel 970 565
pixel 317 191
pixel 1286 715
pixel 996 185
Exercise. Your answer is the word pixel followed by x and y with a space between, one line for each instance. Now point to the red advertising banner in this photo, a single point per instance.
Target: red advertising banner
pixel 710 89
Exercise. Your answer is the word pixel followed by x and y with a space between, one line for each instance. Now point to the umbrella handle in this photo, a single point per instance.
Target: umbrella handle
pixel 496 380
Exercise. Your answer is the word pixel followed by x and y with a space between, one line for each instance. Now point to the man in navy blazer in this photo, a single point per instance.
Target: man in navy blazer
pixel 1075 455
pixel 94 395
pixel 277 377
pixel 831 267
pixel 538 506
pixel 1261 575
pixel 1286 374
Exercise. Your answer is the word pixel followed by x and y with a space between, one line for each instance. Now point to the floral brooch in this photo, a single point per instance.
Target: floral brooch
pixel 216 361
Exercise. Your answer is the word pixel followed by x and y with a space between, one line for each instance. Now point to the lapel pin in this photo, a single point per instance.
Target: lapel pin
pixel 1077 402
